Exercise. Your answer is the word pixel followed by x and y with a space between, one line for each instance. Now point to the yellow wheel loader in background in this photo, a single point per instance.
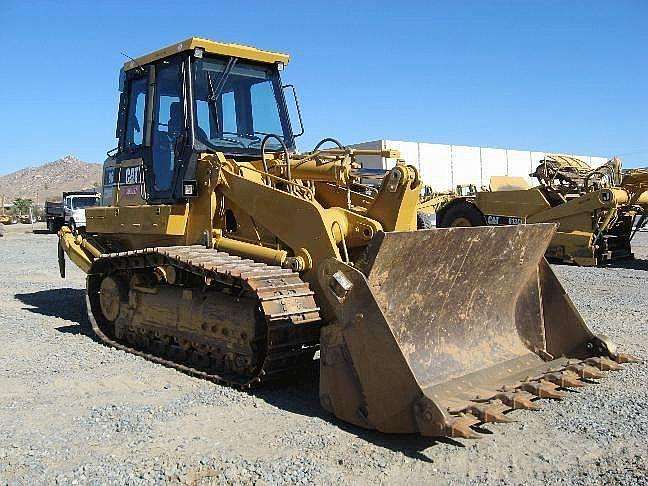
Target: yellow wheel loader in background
pixel 598 211
pixel 221 251
pixel 4 217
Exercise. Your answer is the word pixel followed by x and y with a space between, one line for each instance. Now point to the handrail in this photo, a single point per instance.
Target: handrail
pixel 285 151
pixel 316 151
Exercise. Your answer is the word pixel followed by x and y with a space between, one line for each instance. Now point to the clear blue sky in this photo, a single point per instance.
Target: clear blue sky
pixel 565 76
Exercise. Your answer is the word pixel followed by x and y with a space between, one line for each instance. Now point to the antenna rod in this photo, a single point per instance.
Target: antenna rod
pixel 134 61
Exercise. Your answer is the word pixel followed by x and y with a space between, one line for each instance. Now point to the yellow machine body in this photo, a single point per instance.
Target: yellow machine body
pixel 257 256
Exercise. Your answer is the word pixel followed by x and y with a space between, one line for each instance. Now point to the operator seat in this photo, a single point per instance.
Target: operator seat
pixel 164 143
pixel 176 122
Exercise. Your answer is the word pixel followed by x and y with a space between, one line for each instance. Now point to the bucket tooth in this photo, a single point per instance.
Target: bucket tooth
pixel 564 379
pixel 488 414
pixel 585 371
pixel 625 358
pixel 543 390
pixel 459 427
pixel 517 400
pixel 604 364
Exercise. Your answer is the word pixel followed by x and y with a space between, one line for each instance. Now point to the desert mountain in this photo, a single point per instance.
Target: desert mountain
pixel 48 181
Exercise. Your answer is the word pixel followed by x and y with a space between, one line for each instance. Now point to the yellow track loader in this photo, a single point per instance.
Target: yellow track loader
pixel 221 251
pixel 598 211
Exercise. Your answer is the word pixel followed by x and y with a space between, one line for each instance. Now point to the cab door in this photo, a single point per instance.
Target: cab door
pixel 122 184
pixel 169 139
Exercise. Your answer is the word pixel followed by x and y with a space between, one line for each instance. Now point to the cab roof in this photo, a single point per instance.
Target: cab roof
pixel 211 47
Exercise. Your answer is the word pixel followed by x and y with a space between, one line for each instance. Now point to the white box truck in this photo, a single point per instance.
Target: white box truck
pixel 70 210
pixel 444 167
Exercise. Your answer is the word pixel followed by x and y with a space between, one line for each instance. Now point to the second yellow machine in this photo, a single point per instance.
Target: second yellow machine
pixel 221 251
pixel 598 210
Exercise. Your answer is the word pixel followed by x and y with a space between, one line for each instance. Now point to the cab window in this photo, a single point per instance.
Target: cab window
pixel 136 109
pixel 237 106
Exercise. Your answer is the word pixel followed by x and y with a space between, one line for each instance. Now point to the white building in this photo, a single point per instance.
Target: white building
pixel 443 167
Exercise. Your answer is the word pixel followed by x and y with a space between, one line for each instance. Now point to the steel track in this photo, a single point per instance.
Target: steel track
pixel 287 304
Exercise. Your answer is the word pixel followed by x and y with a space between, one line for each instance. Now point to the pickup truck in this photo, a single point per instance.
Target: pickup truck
pixel 70 211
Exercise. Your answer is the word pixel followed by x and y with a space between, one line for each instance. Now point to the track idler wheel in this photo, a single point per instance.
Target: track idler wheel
pixel 109 298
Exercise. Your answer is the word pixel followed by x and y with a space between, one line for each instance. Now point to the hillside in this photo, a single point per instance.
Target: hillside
pixel 48 181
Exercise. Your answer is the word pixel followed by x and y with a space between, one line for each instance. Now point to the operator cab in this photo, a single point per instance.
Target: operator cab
pixel 193 97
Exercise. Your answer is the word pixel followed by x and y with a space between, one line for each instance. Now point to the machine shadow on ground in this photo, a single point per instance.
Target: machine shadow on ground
pixel 629 263
pixel 636 264
pixel 68 304
pixel 299 395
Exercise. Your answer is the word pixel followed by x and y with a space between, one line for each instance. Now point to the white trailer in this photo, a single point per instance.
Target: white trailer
pixel 443 166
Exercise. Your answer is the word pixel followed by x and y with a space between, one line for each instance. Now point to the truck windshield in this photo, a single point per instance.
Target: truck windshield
pixel 84 202
pixel 237 104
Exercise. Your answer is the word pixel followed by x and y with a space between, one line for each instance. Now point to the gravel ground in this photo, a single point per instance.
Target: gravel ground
pixel 75 411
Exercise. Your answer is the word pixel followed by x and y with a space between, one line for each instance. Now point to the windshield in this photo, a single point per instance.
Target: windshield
pixel 84 202
pixel 237 104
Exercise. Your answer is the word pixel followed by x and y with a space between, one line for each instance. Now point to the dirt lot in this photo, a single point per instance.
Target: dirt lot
pixel 75 411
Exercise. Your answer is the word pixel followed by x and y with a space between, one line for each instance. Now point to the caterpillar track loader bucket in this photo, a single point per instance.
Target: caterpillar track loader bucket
pixel 440 330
